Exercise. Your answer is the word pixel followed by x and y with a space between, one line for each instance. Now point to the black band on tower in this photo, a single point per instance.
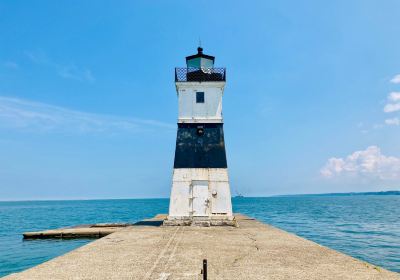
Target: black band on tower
pixel 200 146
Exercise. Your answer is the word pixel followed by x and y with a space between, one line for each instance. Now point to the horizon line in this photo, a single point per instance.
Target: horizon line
pixel 263 196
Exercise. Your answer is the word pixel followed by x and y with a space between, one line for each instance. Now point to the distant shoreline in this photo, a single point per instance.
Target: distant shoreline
pixel 345 194
pixel 150 198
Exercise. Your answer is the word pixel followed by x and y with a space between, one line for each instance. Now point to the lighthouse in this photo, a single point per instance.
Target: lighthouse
pixel 200 193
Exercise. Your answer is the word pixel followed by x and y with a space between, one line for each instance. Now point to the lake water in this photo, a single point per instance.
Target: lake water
pixel 365 227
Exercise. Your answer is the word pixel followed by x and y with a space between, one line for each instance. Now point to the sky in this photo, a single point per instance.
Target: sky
pixel 88 106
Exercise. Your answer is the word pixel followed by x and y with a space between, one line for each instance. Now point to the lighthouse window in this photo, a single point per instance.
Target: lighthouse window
pixel 199 97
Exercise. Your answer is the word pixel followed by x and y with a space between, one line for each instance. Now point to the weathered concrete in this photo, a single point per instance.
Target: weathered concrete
pixel 251 251
pixel 82 231
pixel 201 221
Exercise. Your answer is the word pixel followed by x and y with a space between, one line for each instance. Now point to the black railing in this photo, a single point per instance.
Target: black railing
pixel 200 74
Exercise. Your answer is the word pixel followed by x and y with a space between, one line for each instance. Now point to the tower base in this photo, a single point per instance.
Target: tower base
pixel 200 221
pixel 200 196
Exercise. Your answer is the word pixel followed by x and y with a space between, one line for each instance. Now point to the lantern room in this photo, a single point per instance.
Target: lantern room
pixel 200 60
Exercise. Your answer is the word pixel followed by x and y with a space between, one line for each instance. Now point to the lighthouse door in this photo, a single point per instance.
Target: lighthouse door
pixel 200 200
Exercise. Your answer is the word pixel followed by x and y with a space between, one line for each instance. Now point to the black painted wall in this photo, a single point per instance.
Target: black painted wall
pixel 200 146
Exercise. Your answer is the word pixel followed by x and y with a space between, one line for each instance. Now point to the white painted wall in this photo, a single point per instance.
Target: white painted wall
pixel 219 195
pixel 209 111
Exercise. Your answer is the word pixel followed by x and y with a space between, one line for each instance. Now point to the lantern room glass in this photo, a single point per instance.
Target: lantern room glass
pixel 200 62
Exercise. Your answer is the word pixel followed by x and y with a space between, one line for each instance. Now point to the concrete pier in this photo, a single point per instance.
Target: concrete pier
pixel 82 231
pixel 250 251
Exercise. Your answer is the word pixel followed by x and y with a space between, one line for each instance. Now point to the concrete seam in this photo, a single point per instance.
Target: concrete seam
pixel 150 272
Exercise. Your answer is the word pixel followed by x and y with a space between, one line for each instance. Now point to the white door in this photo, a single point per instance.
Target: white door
pixel 200 198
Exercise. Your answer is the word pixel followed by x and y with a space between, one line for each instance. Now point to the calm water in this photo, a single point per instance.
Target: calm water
pixel 366 227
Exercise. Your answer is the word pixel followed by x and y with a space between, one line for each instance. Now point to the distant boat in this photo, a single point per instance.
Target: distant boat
pixel 238 194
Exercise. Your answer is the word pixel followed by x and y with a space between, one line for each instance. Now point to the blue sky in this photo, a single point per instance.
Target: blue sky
pixel 88 106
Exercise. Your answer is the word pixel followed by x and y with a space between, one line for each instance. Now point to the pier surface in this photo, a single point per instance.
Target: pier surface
pixel 251 251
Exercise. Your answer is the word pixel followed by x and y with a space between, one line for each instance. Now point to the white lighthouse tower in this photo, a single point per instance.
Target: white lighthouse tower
pixel 200 192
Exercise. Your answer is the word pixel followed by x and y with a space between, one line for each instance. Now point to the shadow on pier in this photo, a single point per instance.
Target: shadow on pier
pixel 149 223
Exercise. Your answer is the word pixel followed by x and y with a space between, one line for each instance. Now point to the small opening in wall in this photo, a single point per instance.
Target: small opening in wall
pixel 199 97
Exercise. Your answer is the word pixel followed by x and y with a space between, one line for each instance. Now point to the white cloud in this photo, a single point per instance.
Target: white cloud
pixel 393 121
pixel 395 79
pixel 38 57
pixel 66 71
pixel 391 107
pixel 34 116
pixel 394 96
pixel 367 163
pixel 11 65
pixel 75 73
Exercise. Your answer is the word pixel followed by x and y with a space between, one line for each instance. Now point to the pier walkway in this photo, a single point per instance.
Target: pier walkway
pixel 251 251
